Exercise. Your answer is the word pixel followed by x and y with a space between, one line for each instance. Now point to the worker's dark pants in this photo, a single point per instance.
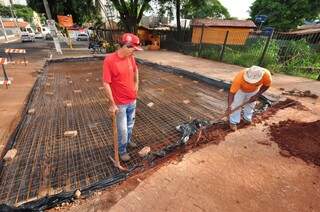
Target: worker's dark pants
pixel 125 122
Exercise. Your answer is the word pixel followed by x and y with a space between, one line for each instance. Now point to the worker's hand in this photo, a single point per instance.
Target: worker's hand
pixel 228 111
pixel 254 98
pixel 113 109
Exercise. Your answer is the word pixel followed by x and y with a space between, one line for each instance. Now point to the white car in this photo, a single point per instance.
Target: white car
pixel 38 35
pixel 82 37
pixel 27 34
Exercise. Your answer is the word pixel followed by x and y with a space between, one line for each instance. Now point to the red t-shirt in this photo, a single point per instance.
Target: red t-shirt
pixel 119 73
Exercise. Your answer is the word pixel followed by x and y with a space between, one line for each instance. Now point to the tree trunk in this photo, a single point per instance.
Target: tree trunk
pixel 178 4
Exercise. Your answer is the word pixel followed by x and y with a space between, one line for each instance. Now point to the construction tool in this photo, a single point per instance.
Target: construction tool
pixel 6 81
pixel 228 114
pixel 220 119
pixel 116 161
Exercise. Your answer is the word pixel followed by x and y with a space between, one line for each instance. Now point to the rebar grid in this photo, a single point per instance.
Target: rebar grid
pixel 48 163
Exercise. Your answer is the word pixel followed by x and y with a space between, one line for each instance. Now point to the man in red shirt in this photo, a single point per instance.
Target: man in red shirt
pixel 121 82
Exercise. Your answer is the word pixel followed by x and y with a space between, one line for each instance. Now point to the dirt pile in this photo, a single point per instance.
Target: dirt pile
pixel 296 92
pixel 299 139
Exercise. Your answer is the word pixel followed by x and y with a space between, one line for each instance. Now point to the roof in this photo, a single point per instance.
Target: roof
pixel 224 23
pixel 309 26
pixel 12 24
pixel 304 31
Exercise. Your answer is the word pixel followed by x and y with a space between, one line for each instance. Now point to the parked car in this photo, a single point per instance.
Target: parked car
pixel 82 37
pixel 38 35
pixel 45 30
pixel 27 34
pixel 48 36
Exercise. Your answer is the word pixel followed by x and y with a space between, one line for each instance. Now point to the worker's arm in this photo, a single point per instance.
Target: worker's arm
pixel 230 100
pixel 262 89
pixel 113 107
pixel 136 80
pixel 235 86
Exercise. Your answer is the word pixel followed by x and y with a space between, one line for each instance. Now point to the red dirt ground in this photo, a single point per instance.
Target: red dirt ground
pixel 299 139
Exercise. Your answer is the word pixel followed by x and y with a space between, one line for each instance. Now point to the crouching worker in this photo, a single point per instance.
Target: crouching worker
pixel 248 85
pixel 121 82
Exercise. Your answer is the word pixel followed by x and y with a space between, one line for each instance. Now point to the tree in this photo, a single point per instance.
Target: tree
pixel 82 11
pixel 204 9
pixel 193 9
pixel 131 12
pixel 21 11
pixel 175 5
pixel 286 14
pixel 24 12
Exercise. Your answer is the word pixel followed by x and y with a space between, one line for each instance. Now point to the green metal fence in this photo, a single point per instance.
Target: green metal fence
pixel 290 53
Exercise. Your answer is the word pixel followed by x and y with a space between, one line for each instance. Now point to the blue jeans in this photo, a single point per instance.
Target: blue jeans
pixel 239 98
pixel 125 121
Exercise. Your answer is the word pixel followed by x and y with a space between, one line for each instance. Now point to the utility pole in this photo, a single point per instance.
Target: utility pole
pixel 4 30
pixel 52 27
pixel 14 17
pixel 46 6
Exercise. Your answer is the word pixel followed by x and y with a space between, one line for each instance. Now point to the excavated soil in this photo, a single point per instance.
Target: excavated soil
pixel 301 140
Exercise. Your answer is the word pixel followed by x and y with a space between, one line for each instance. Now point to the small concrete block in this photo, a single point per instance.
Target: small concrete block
pixel 90 73
pixel 186 101
pixel 160 89
pixel 49 93
pixel 71 133
pixel 10 155
pixel 195 81
pixel 144 151
pixel 97 79
pixel 77 194
pixel 101 88
pixel 181 76
pixel 77 91
pixel 221 90
pixel 150 104
pixel 31 111
pixel 70 82
pixel 88 80
pixel 285 153
pixel 67 103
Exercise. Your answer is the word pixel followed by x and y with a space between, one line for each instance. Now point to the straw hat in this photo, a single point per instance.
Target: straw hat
pixel 253 74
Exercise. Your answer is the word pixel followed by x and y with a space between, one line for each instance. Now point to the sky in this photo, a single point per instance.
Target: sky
pixel 238 8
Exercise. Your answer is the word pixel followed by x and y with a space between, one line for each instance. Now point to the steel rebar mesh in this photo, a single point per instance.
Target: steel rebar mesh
pixel 48 163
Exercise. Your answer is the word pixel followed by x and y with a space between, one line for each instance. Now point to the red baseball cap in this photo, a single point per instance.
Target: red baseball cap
pixel 131 39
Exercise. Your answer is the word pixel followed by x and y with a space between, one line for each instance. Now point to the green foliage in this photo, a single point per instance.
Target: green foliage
pixel 5 11
pixel 24 12
pixel 204 9
pixel 131 12
pixel 82 11
pixel 285 15
pixel 21 11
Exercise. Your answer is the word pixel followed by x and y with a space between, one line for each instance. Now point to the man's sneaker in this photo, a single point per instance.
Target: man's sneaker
pixel 246 121
pixel 125 157
pixel 132 144
pixel 233 127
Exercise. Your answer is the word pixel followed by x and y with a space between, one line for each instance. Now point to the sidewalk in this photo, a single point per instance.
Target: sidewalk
pixel 224 71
